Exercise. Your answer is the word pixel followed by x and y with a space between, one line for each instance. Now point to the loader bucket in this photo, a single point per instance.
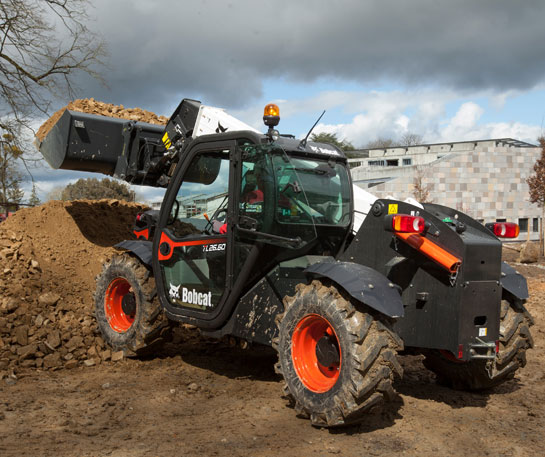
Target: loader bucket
pixel 100 144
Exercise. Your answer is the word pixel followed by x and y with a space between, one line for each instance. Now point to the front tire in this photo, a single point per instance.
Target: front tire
pixel 515 339
pixel 127 309
pixel 338 362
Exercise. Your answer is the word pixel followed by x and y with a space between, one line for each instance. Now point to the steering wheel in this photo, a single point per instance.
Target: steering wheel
pixel 220 216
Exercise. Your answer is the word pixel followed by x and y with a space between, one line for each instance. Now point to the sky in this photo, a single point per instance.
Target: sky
pixel 446 70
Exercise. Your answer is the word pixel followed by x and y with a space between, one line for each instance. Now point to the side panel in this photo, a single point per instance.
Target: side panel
pixel 442 310
pixel 140 248
pixel 254 316
pixel 364 284
pixel 513 282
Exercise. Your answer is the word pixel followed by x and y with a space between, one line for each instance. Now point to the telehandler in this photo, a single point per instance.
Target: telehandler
pixel 263 238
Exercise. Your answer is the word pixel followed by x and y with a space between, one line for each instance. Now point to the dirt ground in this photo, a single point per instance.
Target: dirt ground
pixel 199 397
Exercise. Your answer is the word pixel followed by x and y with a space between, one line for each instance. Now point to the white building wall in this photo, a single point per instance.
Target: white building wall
pixel 484 179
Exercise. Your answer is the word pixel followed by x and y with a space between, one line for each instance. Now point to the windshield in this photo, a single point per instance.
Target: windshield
pixel 311 190
pixel 288 197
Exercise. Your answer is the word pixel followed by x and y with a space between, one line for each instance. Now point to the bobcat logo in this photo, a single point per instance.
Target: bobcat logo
pixel 221 128
pixel 174 291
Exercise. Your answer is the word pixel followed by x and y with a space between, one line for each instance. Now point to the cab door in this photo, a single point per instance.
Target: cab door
pixel 193 247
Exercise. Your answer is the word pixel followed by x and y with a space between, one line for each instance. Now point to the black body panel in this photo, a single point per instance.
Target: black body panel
pixel 442 310
pixel 513 282
pixel 364 284
pixel 254 316
pixel 140 248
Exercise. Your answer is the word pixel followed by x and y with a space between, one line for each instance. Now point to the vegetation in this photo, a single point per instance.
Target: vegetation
pixel 34 200
pixel 44 45
pixel 536 184
pixel 10 177
pixel 95 189
pixel 331 138
pixel 421 190
pixel 408 139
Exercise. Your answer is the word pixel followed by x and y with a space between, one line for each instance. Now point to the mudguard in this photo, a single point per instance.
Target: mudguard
pixel 140 248
pixel 364 284
pixel 513 282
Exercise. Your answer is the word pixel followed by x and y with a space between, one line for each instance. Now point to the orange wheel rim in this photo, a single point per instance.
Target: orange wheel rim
pixel 316 374
pixel 113 305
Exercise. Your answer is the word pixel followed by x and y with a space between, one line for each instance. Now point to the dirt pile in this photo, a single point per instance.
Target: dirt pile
pixel 91 106
pixel 49 258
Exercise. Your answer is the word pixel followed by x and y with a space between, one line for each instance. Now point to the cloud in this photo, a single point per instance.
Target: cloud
pixel 393 114
pixel 464 121
pixel 222 51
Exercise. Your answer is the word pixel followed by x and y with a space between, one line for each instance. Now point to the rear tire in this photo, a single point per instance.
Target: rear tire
pixel 515 339
pixel 127 309
pixel 338 362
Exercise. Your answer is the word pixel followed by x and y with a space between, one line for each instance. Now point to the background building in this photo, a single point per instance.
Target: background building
pixel 484 179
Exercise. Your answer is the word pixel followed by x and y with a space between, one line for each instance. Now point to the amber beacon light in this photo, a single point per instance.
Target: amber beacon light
pixel 271 115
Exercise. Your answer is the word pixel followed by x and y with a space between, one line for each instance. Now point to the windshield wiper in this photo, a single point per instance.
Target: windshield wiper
pixel 319 171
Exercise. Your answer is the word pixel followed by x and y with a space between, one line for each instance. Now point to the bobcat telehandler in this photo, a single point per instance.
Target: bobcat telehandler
pixel 262 237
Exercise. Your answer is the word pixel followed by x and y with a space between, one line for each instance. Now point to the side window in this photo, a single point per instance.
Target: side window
pixel 203 193
pixel 253 189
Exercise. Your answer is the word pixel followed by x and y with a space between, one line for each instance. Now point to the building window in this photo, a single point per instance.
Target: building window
pixel 407 161
pixel 535 224
pixel 501 220
pixel 523 224
pixel 377 163
pixel 392 162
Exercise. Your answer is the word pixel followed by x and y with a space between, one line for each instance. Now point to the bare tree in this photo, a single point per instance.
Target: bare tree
pixel 536 184
pixel 381 143
pixel 44 44
pixel 55 193
pixel 421 190
pixel 407 139
pixel 411 139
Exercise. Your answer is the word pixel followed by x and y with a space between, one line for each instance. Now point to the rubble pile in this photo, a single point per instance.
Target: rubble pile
pixel 49 258
pixel 92 106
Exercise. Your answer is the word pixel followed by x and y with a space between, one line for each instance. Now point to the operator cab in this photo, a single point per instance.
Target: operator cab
pixel 238 204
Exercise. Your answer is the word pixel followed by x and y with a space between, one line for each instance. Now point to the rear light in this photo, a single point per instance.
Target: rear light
pixel 139 217
pixel 403 223
pixel 460 351
pixel 504 229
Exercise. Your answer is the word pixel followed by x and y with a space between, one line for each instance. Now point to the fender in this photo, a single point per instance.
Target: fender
pixel 513 282
pixel 140 248
pixel 364 284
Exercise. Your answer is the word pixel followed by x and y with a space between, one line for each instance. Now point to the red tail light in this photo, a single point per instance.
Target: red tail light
pixel 139 216
pixel 403 223
pixel 460 351
pixel 504 229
